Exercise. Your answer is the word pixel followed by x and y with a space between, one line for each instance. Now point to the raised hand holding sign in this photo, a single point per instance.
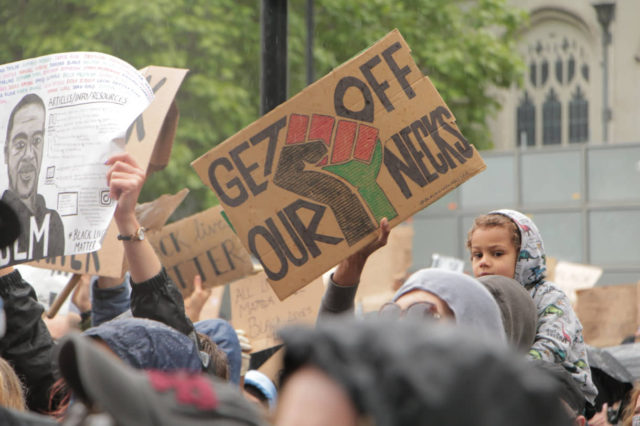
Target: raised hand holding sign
pixel 372 139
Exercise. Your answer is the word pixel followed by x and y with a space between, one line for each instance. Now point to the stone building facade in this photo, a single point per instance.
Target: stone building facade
pixel 580 85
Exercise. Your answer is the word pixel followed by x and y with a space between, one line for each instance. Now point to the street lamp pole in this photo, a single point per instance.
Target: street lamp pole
pixel 273 81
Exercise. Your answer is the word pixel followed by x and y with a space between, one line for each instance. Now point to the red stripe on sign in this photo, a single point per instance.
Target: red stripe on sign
pixel 297 128
pixel 321 128
pixel 367 137
pixel 343 143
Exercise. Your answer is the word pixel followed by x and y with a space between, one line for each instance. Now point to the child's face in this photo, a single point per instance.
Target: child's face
pixel 493 252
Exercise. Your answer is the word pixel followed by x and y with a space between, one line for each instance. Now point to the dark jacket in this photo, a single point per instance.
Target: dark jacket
pixel 27 344
pixel 159 299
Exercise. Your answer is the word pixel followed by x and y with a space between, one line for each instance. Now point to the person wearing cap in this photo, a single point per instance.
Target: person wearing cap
pixel 42 232
pixel 103 385
pixel 147 344
pixel 260 389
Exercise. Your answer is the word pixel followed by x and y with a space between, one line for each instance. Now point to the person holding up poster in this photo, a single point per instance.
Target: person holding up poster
pixel 430 294
pixel 42 230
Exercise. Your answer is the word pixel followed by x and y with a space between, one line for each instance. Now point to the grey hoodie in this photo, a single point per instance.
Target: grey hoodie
pixel 559 332
pixel 471 303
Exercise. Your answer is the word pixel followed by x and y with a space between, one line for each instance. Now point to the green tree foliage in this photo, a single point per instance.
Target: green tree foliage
pixel 465 47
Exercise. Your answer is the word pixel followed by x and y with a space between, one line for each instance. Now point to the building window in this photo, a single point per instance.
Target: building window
pixel 551 120
pixel 578 117
pixel 559 73
pixel 553 106
pixel 526 122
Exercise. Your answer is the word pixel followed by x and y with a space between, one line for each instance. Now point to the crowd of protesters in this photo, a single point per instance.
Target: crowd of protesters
pixel 501 348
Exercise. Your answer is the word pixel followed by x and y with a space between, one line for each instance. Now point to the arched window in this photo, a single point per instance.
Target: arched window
pixel 526 122
pixel 578 117
pixel 553 106
pixel 551 120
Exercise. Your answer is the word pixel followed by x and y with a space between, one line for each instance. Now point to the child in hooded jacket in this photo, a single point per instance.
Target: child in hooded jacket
pixel 506 242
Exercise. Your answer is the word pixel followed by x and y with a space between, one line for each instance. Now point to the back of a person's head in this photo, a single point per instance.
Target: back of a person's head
pixel 218 364
pixel 519 315
pixel 105 386
pixel 409 373
pixel 224 336
pixel 148 344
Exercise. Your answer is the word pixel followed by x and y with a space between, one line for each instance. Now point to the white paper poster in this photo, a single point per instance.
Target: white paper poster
pixel 62 116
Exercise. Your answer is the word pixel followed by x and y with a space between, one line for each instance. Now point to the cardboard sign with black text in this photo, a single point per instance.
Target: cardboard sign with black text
pixel 202 244
pixel 256 309
pixel 307 184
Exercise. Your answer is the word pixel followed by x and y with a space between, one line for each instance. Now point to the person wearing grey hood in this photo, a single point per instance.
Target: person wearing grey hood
pixel 433 293
pixel 450 294
pixel 508 243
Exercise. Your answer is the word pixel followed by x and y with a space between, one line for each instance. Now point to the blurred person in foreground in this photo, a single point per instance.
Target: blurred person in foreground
pixel 409 372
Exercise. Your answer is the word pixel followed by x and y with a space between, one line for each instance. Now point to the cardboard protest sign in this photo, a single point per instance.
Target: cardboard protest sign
pixel 308 183
pixel 149 140
pixel 609 313
pixel 571 277
pixel 153 215
pixel 63 115
pixel 202 244
pixel 256 309
pixel 109 261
